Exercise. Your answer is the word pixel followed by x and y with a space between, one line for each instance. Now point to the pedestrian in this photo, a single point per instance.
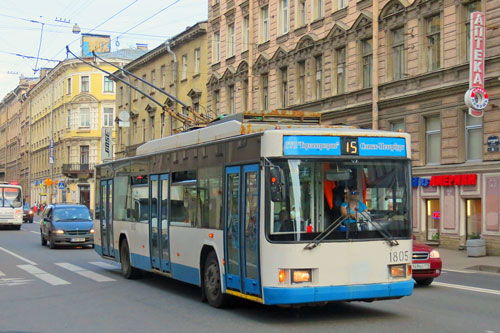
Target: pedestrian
pixel 35 209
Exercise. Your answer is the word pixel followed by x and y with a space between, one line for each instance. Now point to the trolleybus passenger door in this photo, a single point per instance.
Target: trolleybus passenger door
pixel 242 229
pixel 106 217
pixel 160 252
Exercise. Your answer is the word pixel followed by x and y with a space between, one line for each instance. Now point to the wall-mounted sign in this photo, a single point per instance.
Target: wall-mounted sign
pixel 445 180
pixel 476 97
pixel 493 143
pixel 436 215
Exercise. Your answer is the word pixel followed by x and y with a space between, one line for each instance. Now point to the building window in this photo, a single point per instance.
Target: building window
pixel 318 80
pixel 153 77
pixel 152 126
pixel 85 84
pixel 264 83
pixel 469 9
pixel 197 61
pixel 108 117
pixel 397 53
pixel 433 38
pixel 398 126
pixel 366 50
pixel 342 4
pixel 433 139
pixel 318 9
pixel 108 84
pixel 301 81
pixel 473 216
pixel 284 16
pixel 84 155
pixel 341 70
pixel 216 47
pixel 433 219
pixel 68 124
pixel 230 99
pixel 144 130
pixel 230 41
pixel 163 77
pixel 474 137
pixel 184 66
pixel 264 24
pixel 246 32
pixel 216 101
pixel 301 13
pixel 244 94
pixel 85 117
pixel 284 87
pixel 143 85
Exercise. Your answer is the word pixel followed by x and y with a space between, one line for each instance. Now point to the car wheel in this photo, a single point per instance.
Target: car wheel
pixel 128 271
pixel 44 241
pixel 424 282
pixel 52 244
pixel 212 283
pixel 31 220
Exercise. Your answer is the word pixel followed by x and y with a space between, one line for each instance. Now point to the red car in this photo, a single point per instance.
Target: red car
pixel 427 263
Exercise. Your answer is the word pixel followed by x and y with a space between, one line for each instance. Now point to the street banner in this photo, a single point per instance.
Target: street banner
pixel 106 144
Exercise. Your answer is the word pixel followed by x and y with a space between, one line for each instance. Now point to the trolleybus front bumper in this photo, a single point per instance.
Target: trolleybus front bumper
pixel 367 292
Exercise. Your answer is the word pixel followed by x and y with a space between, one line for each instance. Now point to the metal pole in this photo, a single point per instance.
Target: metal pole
pixel 375 67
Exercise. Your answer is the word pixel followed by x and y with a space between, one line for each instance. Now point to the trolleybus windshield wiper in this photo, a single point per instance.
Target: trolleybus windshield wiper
pixel 318 239
pixel 387 236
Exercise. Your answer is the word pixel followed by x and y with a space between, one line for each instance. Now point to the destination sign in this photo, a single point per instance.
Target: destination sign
pixel 318 145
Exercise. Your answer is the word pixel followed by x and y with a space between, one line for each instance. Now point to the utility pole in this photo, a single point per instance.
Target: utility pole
pixel 375 66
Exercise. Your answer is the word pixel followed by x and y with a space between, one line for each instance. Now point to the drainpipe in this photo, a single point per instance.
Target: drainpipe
pixel 375 66
pixel 174 73
pixel 250 58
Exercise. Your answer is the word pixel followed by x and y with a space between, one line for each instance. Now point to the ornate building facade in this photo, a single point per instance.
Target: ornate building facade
pixel 398 65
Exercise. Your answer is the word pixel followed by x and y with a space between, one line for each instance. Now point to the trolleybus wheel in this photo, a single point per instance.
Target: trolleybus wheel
pixel 212 283
pixel 128 271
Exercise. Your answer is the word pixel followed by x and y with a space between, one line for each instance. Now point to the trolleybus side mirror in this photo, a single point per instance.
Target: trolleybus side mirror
pixel 276 183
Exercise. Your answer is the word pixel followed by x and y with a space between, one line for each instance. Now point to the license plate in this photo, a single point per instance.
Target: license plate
pixel 422 266
pixel 77 240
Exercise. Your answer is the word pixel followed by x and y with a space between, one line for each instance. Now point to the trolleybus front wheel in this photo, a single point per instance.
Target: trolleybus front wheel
pixel 212 283
pixel 128 271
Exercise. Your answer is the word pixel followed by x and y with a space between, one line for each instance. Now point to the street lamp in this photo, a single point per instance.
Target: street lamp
pixel 76 29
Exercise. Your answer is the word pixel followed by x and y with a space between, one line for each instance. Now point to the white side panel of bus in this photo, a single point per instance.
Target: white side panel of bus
pixel 137 236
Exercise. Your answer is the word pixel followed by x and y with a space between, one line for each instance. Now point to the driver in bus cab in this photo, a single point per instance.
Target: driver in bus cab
pixel 350 209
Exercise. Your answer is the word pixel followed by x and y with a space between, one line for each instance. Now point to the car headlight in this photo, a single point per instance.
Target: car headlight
pixel 59 231
pixel 434 254
pixel 91 231
pixel 30 212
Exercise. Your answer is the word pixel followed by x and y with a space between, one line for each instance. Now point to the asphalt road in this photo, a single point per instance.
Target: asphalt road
pixel 74 290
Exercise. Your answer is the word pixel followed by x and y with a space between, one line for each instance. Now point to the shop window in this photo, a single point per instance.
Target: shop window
pixel 433 219
pixel 473 218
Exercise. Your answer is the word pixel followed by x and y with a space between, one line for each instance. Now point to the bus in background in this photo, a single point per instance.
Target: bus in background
pixel 252 206
pixel 11 205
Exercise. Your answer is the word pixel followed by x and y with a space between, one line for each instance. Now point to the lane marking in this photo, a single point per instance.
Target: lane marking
pixel 457 286
pixel 83 272
pixel 104 265
pixel 2 274
pixel 36 232
pixel 458 271
pixel 42 275
pixel 13 282
pixel 18 256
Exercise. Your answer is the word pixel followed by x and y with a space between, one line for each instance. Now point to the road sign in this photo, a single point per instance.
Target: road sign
pixel 61 186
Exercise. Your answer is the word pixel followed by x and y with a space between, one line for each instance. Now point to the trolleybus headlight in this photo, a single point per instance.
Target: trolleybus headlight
pixel 301 275
pixel 398 270
pixel 434 254
pixel 59 232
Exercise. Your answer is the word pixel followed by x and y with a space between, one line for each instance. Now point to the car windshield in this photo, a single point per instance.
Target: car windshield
pixel 375 194
pixel 26 206
pixel 71 214
pixel 11 197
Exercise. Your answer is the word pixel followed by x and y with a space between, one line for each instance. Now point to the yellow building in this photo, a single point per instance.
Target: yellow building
pixel 179 67
pixel 71 106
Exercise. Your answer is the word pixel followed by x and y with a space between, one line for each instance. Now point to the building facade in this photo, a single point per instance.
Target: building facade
pixel 406 70
pixel 71 107
pixel 178 67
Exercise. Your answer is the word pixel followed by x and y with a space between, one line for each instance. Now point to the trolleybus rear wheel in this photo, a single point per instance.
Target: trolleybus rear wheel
pixel 128 271
pixel 212 283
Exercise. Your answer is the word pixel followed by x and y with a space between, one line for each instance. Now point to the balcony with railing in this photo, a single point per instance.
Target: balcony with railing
pixel 78 170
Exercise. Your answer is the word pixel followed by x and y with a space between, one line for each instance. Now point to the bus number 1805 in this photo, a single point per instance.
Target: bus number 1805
pixel 399 256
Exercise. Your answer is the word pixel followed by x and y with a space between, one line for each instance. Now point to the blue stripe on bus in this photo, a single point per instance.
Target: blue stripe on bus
pixel 273 295
pixel 186 273
pixel 140 261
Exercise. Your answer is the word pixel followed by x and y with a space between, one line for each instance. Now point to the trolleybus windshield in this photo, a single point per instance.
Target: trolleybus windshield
pixel 11 197
pixel 375 194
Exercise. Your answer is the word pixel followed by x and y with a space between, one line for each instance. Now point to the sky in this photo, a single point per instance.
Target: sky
pixel 24 49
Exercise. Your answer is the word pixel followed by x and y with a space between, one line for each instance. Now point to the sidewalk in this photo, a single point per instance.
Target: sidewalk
pixel 458 260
